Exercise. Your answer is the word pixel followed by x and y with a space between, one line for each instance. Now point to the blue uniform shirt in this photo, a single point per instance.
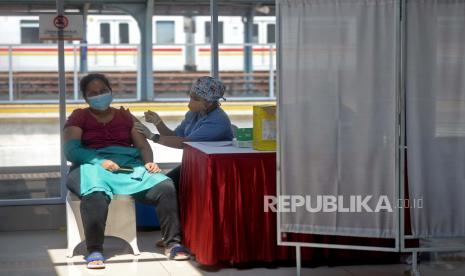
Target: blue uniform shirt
pixel 214 126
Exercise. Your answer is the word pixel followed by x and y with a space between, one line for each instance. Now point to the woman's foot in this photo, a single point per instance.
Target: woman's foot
pixel 95 260
pixel 177 253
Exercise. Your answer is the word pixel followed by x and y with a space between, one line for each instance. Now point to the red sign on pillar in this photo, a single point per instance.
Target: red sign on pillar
pixel 60 21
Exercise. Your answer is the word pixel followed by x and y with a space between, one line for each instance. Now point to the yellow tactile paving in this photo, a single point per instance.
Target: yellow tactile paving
pixel 140 106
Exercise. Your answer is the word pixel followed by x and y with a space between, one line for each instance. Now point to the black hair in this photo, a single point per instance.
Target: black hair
pixel 90 77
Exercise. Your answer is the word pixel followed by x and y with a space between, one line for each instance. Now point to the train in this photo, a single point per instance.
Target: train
pixel 113 41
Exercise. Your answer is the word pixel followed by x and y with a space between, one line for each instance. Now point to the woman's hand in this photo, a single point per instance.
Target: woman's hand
pixel 152 167
pixel 110 165
pixel 141 128
pixel 152 117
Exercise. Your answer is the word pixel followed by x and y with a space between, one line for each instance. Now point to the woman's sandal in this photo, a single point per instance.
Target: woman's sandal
pixel 95 260
pixel 177 253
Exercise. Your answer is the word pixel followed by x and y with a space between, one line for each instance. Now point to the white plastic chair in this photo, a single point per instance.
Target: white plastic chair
pixel 121 221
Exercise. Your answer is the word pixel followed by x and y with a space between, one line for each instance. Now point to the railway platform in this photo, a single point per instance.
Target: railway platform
pixel 170 110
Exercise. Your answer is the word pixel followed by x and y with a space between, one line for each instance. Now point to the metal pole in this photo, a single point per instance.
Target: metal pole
pixel 189 29
pixel 83 46
pixel 401 62
pixel 248 40
pixel 271 74
pixel 114 56
pixel 139 75
pixel 214 38
pixel 62 93
pixel 248 49
pixel 149 50
pixel 144 19
pixel 75 73
pixel 414 271
pixel 298 260
pixel 10 73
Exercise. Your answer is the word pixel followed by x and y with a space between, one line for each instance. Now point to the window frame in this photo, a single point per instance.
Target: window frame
pixel 207 27
pixel 29 24
pixel 119 32
pixel 157 32
pixel 268 33
pixel 107 23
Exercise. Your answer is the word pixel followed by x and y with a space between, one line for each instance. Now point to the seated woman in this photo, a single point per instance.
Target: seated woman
pixel 110 157
pixel 205 120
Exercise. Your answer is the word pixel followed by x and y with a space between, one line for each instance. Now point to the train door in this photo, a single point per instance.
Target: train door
pixel 113 32
pixel 114 49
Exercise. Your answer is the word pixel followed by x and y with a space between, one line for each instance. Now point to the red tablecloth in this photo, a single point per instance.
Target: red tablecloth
pixel 221 199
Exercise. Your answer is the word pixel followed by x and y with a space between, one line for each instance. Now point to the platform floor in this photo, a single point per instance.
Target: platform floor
pixel 43 253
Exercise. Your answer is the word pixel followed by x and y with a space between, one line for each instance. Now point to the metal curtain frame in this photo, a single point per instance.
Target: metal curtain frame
pixel 401 237
pixel 279 151
pixel 280 90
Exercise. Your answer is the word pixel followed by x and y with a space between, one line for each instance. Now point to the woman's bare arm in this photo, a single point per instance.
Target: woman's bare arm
pixel 72 133
pixel 141 143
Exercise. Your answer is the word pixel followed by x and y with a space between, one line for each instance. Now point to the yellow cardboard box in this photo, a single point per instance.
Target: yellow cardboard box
pixel 264 127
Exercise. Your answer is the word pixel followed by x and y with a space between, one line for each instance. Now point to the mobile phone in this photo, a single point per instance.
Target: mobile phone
pixel 124 169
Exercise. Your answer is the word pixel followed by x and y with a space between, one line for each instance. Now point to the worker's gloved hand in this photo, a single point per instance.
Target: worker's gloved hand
pixel 152 117
pixel 141 128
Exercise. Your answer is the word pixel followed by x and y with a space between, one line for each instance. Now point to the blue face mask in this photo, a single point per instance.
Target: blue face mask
pixel 100 102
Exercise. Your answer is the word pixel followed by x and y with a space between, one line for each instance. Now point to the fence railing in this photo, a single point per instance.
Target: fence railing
pixel 17 61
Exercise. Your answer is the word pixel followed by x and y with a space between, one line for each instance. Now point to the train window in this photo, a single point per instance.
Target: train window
pixel 123 33
pixel 164 32
pixel 104 33
pixel 270 33
pixel 208 35
pixel 255 33
pixel 29 31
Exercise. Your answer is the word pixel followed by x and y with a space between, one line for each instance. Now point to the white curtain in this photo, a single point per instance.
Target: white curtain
pixel 337 111
pixel 435 82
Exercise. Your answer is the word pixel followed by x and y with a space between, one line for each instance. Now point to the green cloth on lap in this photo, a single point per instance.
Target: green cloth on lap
pixel 95 178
